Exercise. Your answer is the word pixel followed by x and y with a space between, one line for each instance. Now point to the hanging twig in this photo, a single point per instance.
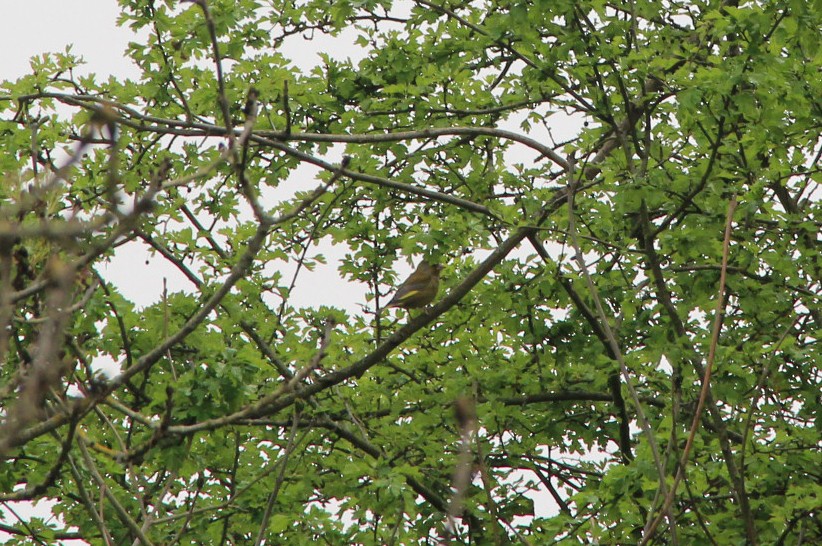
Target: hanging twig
pixel 706 380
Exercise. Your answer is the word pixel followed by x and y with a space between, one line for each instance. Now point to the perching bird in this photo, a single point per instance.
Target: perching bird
pixel 419 289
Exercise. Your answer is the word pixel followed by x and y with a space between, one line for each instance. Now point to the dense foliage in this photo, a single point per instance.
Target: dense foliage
pixel 625 197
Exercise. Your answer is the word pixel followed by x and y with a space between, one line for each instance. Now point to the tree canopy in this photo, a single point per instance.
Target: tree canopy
pixel 625 199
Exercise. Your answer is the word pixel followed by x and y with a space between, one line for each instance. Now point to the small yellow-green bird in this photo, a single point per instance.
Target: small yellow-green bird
pixel 419 289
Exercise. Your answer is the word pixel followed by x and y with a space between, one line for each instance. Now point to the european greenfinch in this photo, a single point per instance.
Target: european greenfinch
pixel 419 289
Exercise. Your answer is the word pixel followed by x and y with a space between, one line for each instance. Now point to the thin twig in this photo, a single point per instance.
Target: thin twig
pixel 467 421
pixel 706 380
pixel 272 497
pixel 106 492
pixel 609 334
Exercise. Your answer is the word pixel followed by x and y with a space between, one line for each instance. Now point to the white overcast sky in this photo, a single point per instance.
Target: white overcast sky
pixel 34 27
pixel 90 28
